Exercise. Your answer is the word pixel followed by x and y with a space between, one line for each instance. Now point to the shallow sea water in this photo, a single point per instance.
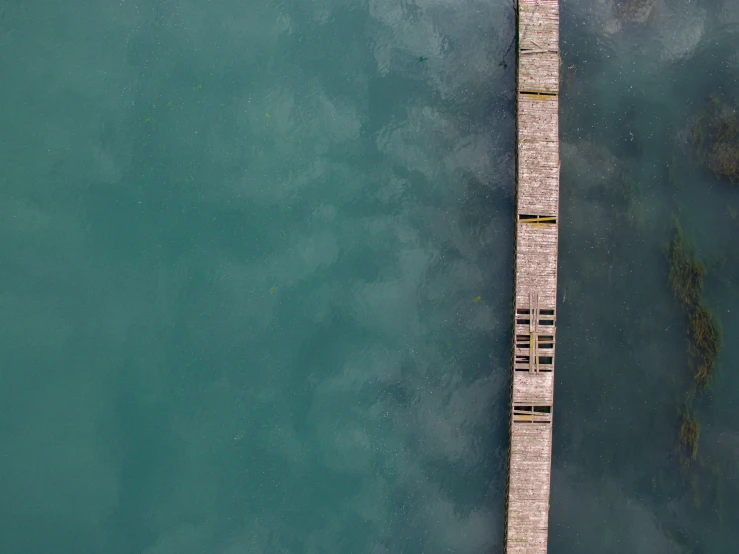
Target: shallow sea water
pixel 630 92
pixel 255 277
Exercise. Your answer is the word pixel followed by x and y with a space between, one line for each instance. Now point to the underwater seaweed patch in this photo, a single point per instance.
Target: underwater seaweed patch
pixel 715 131
pixel 689 435
pixel 637 11
pixel 686 276
pixel 686 271
pixel 706 340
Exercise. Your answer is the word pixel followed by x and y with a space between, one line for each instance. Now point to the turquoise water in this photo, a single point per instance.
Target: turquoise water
pixel 241 249
pixel 255 277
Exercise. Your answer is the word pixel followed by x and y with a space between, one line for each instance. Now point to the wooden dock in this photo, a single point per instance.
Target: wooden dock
pixel 535 297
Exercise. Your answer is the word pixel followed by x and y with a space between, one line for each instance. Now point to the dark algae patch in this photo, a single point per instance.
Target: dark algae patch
pixel 638 11
pixel 686 271
pixel 686 279
pixel 686 276
pixel 715 131
pixel 689 434
pixel 706 340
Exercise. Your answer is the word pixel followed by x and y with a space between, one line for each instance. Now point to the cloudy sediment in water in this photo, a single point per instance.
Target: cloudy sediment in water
pixel 256 271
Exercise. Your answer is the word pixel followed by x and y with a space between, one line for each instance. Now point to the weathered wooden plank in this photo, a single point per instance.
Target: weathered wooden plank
pixel 535 297
pixel 538 155
pixel 523 328
pixel 535 471
pixel 531 439
pixel 536 263
pixel 538 25
pixel 538 175
pixel 537 492
pixel 538 118
pixel 533 388
pixel 538 71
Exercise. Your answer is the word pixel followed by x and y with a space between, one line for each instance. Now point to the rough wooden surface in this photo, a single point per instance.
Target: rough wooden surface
pixel 538 71
pixel 538 25
pixel 528 500
pixel 535 297
pixel 538 154
pixel 536 263
pixel 533 388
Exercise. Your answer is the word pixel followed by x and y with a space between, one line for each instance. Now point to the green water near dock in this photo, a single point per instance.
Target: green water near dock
pixel 254 276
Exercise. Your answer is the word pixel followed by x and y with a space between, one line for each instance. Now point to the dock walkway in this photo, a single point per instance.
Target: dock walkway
pixel 535 297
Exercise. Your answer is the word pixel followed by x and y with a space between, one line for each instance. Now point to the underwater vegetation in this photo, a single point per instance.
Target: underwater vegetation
pixel 715 131
pixel 686 272
pixel 634 10
pixel 705 476
pixel 689 434
pixel 686 276
pixel 686 279
pixel 706 335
